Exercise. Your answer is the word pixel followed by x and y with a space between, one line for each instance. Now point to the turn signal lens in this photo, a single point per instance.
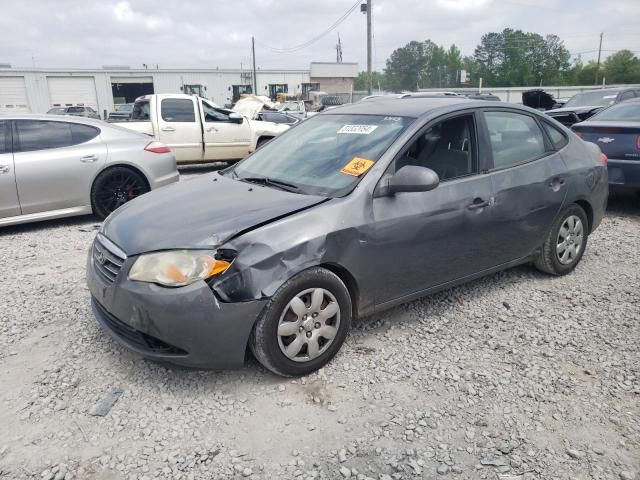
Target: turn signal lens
pixel 157 147
pixel 177 268
pixel 603 159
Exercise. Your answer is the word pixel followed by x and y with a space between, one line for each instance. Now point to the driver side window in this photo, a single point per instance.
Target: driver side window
pixel 447 148
pixel 213 115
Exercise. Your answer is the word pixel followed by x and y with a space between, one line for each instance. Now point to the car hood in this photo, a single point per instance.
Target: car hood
pixel 200 213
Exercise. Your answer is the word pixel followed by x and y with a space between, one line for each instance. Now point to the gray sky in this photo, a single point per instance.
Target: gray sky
pixel 206 34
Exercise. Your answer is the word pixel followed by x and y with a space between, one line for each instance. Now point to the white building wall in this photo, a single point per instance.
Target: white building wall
pixel 217 82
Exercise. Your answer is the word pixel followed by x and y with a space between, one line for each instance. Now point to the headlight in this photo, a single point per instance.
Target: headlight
pixel 177 268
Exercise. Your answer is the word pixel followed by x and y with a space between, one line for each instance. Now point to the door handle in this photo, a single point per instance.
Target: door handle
pixel 4 169
pixel 89 159
pixel 168 129
pixel 212 129
pixel 478 203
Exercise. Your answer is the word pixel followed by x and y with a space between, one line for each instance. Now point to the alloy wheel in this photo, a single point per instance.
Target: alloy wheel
pixel 118 189
pixel 308 324
pixel 570 240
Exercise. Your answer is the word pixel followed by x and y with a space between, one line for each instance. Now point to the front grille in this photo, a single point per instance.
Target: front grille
pixel 135 337
pixel 107 258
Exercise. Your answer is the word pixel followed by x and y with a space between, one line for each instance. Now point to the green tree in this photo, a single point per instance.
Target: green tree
pixel 405 66
pixel 517 58
pixel 622 67
pixel 378 79
pixel 423 65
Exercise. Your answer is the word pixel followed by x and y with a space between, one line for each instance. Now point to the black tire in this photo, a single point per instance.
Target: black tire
pixel 262 141
pixel 115 187
pixel 265 341
pixel 548 260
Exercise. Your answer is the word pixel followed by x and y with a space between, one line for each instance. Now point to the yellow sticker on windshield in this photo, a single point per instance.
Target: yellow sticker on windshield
pixel 357 166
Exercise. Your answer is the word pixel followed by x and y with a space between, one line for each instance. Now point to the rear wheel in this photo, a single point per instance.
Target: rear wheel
pixel 115 187
pixel 565 243
pixel 304 325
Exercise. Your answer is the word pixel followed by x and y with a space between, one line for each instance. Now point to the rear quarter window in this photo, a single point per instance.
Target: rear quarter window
pixel 558 139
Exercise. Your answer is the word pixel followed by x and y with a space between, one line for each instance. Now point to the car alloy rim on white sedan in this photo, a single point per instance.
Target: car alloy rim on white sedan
pixel 570 240
pixel 308 324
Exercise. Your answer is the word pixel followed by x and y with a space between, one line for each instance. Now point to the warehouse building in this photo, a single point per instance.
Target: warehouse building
pixel 37 90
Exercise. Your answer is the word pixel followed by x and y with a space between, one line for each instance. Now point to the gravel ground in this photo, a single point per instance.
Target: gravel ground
pixel 515 376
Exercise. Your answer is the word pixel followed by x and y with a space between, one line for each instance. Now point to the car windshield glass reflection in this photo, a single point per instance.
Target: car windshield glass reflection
pixel 327 154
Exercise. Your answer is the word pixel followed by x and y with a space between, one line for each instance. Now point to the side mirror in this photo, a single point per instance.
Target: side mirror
pixel 236 118
pixel 409 178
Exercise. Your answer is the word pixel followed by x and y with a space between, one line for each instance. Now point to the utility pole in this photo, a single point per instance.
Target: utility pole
pixel 253 56
pixel 598 65
pixel 369 75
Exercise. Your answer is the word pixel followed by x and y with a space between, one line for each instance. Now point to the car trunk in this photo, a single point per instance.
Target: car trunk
pixel 621 141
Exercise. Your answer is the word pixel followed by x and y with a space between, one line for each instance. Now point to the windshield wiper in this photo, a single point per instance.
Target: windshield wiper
pixel 289 187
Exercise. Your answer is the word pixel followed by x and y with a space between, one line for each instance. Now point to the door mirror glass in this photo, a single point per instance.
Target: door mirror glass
pixel 236 118
pixel 410 178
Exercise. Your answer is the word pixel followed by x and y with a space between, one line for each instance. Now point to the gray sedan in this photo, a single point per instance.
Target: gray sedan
pixel 351 212
pixel 52 167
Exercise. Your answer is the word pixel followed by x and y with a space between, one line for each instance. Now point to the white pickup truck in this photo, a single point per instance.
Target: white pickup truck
pixel 197 130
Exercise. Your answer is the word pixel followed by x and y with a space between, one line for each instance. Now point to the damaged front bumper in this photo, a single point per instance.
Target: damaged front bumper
pixel 186 326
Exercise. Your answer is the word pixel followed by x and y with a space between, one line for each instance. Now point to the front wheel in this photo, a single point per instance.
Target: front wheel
pixel 304 324
pixel 565 243
pixel 115 187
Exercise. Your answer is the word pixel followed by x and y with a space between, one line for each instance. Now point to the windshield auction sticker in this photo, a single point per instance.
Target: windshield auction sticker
pixel 357 166
pixel 358 129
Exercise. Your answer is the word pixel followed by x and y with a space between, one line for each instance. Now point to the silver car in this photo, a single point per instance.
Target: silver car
pixel 52 167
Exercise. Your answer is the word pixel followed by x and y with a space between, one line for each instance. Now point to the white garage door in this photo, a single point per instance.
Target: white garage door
pixel 72 91
pixel 13 95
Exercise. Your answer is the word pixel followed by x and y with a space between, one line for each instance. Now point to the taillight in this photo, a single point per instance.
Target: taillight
pixel 638 142
pixel 604 159
pixel 157 147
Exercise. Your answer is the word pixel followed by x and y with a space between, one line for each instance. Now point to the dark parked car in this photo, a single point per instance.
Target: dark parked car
pixel 616 130
pixel 583 105
pixel 82 111
pixel 356 210
pixel 121 111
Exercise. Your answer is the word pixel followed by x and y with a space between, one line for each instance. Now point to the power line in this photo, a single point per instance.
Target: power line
pixel 342 18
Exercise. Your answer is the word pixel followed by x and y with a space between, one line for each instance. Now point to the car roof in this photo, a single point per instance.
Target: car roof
pixel 54 118
pixel 416 106
pixel 613 89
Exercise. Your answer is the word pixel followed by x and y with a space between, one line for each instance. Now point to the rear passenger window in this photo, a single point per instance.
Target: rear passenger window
pixel 515 138
pixel 557 137
pixel 82 133
pixel 42 135
pixel 5 139
pixel 177 110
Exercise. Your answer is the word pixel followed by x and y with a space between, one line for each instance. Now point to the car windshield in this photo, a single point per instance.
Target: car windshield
pixel 602 98
pixel 125 107
pixel 75 110
pixel 622 111
pixel 326 155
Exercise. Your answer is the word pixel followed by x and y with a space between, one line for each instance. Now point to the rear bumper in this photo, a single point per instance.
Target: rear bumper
pixel 186 326
pixel 624 173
